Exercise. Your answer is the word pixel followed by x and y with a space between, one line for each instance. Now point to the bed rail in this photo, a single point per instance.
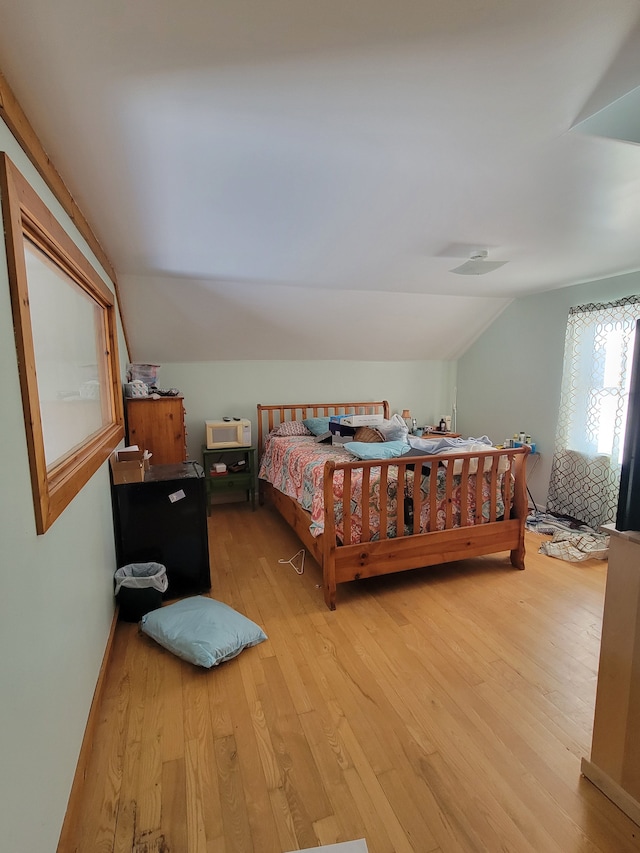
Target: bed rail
pixel 504 465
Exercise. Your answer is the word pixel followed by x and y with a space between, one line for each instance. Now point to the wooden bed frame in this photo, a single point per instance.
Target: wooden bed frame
pixel 345 561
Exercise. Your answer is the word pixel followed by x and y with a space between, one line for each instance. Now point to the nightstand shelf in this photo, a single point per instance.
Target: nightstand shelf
pixel 243 480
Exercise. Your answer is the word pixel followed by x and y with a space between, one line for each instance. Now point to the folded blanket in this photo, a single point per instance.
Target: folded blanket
pixel 575 547
pixel 437 445
pixel 444 446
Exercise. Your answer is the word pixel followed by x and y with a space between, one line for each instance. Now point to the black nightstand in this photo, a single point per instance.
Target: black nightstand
pixel 240 474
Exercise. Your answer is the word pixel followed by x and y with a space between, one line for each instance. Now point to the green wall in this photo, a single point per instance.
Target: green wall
pixel 213 390
pixel 56 607
pixel 509 380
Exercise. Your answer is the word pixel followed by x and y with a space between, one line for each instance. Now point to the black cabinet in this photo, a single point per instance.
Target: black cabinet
pixel 164 520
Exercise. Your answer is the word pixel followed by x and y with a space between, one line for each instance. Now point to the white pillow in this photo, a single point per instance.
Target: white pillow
pixel 395 429
pixel 202 630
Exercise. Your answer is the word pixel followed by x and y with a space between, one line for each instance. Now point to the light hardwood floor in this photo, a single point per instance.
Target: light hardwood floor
pixel 443 709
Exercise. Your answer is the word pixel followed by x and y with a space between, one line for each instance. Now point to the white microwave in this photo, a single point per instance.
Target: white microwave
pixel 235 432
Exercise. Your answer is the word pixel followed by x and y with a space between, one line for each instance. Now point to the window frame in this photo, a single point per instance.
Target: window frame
pixel 26 217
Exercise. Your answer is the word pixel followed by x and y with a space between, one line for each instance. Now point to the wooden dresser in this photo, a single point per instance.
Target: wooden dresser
pixel 158 426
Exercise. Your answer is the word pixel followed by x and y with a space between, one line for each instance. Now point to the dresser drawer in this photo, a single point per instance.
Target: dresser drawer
pixel 229 482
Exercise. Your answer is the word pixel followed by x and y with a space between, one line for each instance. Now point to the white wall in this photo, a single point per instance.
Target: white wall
pixel 215 389
pixel 56 608
pixel 510 378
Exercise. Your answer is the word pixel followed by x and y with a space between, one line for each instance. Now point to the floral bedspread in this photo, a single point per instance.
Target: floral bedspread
pixel 295 466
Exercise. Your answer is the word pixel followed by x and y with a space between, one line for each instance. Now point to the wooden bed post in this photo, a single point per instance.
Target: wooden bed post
pixel 329 539
pixel 520 506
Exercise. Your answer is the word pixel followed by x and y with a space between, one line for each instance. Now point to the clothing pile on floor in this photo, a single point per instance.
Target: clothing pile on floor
pixel 570 540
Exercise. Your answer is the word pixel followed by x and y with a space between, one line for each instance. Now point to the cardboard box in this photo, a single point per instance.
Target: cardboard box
pixel 340 428
pixel 129 466
pixel 363 420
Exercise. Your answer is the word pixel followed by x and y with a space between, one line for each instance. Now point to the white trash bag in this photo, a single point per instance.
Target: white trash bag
pixel 142 576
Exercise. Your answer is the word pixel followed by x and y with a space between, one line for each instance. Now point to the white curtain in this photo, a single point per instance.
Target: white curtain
pixel 585 473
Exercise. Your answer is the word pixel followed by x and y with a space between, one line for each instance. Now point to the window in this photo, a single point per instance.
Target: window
pixel 601 351
pixel 585 474
pixel 65 327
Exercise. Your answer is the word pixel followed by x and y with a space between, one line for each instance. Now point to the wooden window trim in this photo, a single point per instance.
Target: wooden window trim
pixel 26 216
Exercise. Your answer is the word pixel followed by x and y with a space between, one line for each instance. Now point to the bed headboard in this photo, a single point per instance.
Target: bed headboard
pixel 270 417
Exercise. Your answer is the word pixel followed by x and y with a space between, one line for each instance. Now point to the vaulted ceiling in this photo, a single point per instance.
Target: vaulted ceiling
pixel 287 178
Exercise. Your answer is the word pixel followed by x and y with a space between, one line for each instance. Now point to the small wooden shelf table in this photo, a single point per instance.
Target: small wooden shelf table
pixel 243 479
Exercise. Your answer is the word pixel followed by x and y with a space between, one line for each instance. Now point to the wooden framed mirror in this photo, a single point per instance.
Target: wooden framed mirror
pixel 64 318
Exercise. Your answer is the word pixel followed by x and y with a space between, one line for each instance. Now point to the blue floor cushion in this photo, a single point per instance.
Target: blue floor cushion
pixel 201 630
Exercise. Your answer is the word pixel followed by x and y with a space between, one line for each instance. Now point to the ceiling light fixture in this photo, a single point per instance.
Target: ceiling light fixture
pixel 478 264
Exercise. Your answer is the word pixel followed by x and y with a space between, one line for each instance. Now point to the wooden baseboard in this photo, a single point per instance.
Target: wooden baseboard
pixel 612 790
pixel 72 814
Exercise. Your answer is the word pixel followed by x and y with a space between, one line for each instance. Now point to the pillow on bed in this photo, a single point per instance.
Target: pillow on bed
pixel 202 630
pixel 291 428
pixel 317 425
pixel 380 450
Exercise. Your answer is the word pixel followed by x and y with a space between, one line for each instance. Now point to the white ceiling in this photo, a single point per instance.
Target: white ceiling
pixel 277 177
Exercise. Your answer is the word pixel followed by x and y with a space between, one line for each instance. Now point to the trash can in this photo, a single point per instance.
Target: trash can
pixel 139 588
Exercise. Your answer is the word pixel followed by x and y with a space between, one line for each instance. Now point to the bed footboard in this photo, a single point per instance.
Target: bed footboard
pixel 429 527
